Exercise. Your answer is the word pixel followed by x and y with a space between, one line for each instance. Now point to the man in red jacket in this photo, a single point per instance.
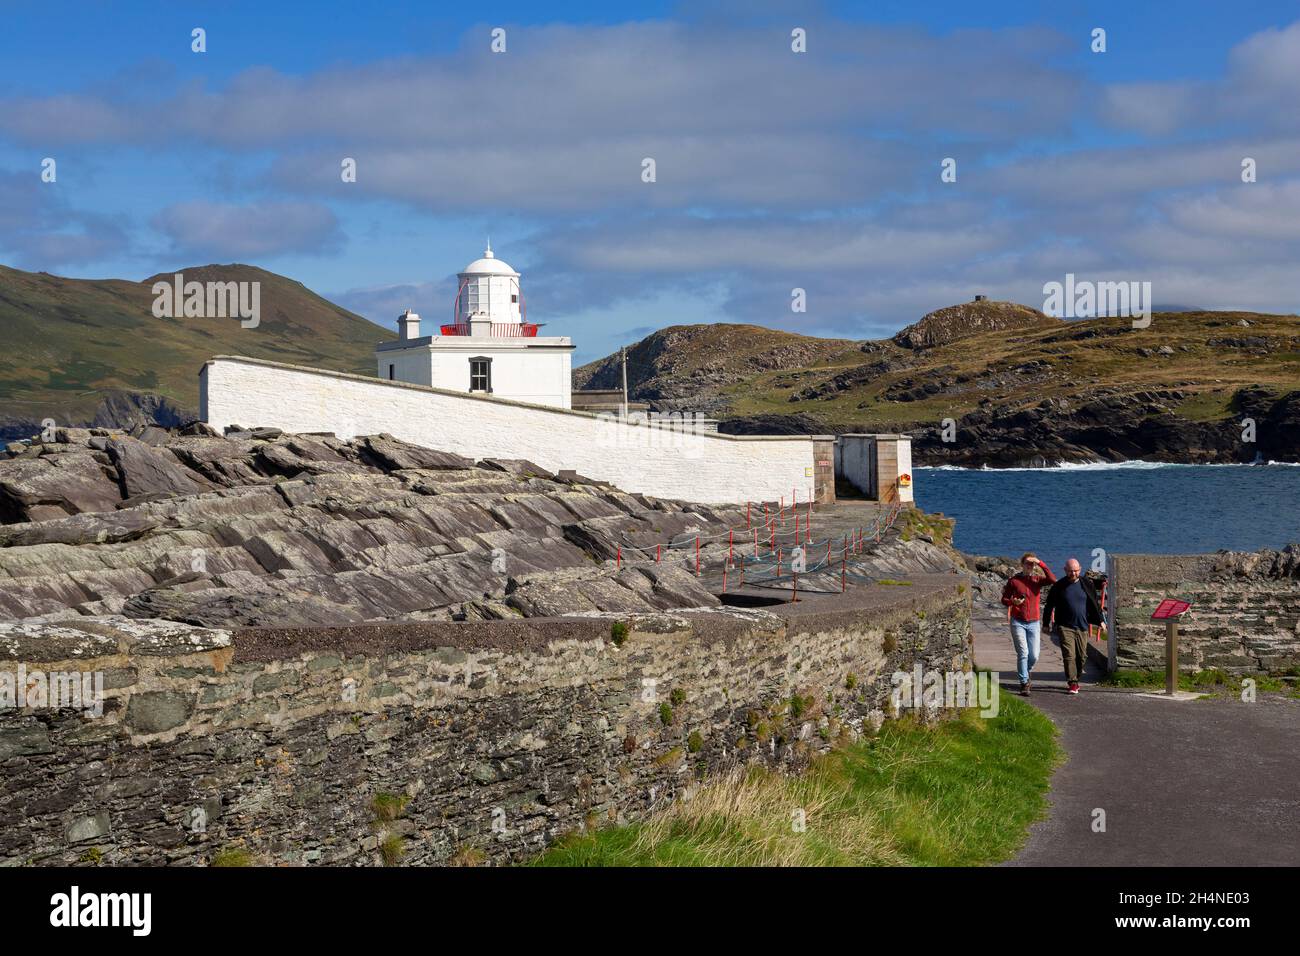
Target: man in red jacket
pixel 1021 595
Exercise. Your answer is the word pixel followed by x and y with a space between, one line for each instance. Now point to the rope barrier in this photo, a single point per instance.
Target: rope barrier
pixel 883 522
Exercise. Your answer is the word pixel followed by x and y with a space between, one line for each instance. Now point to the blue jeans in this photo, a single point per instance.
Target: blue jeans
pixel 1024 638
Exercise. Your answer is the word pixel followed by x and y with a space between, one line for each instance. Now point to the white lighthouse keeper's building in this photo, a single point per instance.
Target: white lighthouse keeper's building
pixel 488 348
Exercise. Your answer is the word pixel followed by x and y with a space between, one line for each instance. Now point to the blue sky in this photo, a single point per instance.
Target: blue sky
pixel 775 170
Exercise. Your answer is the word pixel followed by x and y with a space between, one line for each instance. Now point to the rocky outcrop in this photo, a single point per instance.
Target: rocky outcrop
pixel 118 408
pixel 955 322
pixel 1265 565
pixel 1115 425
pixel 687 367
pixel 259 528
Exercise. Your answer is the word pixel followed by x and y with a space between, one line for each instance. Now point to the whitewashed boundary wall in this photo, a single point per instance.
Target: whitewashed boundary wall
pixel 646 457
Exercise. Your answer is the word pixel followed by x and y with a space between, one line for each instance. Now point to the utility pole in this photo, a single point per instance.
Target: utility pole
pixel 623 353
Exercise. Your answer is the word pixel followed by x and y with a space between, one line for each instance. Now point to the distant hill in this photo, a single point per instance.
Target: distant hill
pixel 692 366
pixel 1022 388
pixel 946 325
pixel 85 351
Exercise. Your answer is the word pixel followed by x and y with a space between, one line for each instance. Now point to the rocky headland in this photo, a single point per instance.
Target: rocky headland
pixel 258 527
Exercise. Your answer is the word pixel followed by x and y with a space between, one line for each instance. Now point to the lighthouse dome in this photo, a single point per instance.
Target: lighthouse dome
pixel 489 265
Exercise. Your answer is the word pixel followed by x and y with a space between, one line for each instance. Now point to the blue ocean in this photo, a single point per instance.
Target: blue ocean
pixel 1127 508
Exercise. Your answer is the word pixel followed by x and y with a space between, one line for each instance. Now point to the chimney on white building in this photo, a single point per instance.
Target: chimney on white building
pixel 408 325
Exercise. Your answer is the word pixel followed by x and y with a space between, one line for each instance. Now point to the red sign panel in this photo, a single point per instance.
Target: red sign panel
pixel 1168 608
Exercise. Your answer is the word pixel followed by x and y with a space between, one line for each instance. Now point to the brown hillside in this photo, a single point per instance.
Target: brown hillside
pixel 943 326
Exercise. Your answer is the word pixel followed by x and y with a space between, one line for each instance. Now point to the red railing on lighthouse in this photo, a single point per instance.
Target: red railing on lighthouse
pixel 499 330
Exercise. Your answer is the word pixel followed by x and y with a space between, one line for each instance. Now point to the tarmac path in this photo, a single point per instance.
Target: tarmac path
pixel 1207 782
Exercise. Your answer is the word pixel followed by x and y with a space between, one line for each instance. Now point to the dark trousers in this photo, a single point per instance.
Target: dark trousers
pixel 1074 652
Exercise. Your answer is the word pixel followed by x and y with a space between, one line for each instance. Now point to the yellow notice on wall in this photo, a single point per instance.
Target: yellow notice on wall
pixel 807 472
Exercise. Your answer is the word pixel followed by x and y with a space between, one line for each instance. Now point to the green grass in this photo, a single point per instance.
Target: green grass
pixel 66 341
pixel 1206 681
pixel 1207 406
pixel 387 807
pixel 960 794
pixel 232 856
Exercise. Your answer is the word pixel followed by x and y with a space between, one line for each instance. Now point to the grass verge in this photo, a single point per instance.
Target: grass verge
pixel 960 794
pixel 1211 681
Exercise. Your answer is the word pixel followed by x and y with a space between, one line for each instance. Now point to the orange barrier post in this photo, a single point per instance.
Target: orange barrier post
pixel 618 557
pixel 658 553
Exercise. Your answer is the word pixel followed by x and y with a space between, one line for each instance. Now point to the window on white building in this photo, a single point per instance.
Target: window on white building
pixel 480 375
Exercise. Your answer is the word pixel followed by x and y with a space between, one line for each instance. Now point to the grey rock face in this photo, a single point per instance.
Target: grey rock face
pixel 261 528
pixel 158 711
pixel 144 469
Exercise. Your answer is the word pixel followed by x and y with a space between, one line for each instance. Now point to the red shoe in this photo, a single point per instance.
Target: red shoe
pixel 1074 689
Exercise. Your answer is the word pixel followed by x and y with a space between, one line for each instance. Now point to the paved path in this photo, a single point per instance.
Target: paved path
pixel 1183 783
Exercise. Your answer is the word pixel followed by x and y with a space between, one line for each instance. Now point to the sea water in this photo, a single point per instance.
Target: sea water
pixel 1126 508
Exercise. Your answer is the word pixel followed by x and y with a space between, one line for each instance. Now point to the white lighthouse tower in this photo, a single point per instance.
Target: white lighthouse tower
pixel 488 291
pixel 489 347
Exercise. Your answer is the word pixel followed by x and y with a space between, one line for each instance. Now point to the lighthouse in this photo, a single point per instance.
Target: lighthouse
pixel 488 292
pixel 488 348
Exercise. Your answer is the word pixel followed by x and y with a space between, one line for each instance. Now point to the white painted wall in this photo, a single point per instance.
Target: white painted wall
pixel 905 468
pixel 523 370
pixel 643 458
pixel 405 365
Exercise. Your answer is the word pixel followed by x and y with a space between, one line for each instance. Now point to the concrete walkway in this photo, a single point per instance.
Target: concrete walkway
pixel 1210 782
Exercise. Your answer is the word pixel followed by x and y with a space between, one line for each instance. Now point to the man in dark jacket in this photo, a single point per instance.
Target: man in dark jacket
pixel 1071 606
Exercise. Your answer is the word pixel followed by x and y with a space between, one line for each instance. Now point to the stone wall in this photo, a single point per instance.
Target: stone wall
pixel 1245 615
pixel 637 457
pixel 432 742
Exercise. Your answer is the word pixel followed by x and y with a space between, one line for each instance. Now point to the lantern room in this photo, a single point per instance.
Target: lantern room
pixel 489 347
pixel 488 291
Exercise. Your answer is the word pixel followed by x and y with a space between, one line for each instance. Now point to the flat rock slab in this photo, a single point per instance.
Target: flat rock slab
pixel 264 528
pixel 145 469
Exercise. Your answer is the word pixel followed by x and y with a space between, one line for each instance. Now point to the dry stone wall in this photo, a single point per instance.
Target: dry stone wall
pixel 431 742
pixel 1245 615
